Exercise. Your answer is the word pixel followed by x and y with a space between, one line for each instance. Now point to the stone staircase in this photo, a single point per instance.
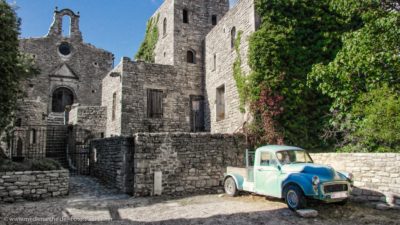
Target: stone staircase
pixel 55 119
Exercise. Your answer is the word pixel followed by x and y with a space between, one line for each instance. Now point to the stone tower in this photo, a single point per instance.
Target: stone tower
pixel 183 26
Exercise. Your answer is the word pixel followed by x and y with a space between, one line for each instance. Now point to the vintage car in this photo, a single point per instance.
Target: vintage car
pixel 289 173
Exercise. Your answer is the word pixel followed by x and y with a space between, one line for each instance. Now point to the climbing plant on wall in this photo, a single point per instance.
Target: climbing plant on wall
pixel 312 61
pixel 146 50
pixel 239 75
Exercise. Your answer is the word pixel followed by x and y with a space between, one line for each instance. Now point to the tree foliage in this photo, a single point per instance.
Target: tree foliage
pixel 14 66
pixel 146 50
pixel 312 61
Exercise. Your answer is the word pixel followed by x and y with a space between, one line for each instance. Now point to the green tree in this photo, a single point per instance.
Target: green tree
pixel 369 59
pixel 14 66
pixel 375 122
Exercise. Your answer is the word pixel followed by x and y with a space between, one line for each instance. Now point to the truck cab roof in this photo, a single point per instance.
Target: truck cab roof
pixel 277 148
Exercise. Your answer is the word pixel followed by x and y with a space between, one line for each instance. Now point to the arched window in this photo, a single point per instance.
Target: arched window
pixel 191 57
pixel 185 15
pixel 66 26
pixel 165 27
pixel 61 98
pixel 214 20
pixel 233 37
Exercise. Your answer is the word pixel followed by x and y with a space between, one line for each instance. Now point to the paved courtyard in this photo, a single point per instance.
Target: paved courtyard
pixel 91 201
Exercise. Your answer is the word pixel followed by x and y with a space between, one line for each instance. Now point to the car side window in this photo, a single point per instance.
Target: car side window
pixel 265 159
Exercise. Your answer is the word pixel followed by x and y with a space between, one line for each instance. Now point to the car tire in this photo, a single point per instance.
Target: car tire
pixel 294 197
pixel 230 187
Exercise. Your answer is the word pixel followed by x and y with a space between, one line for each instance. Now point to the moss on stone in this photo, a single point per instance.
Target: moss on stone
pixel 146 50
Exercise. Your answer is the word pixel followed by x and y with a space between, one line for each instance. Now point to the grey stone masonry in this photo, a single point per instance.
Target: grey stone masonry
pixel 219 59
pixel 92 118
pixel 376 175
pixel 33 185
pixel 129 84
pixel 111 161
pixel 189 163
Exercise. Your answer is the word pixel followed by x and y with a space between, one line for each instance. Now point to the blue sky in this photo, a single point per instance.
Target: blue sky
pixel 115 25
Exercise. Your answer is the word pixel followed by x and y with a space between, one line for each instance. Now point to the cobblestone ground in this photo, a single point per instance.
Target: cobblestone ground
pixel 91 201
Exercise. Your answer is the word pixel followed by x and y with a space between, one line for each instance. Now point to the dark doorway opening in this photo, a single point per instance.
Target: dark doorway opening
pixel 62 97
pixel 197 113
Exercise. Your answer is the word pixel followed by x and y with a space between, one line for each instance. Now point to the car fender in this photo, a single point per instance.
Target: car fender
pixel 238 179
pixel 304 182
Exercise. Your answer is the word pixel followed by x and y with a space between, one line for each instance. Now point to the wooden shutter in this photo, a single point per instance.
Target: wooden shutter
pixel 154 103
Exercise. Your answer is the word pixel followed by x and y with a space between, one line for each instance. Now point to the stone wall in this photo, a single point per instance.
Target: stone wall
pixel 92 118
pixel 243 18
pixel 111 161
pixel 377 176
pixel 33 185
pixel 189 163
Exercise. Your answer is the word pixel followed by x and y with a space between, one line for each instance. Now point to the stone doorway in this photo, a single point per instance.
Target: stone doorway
pixel 62 97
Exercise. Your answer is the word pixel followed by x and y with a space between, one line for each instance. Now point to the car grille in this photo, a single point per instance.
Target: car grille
pixel 335 188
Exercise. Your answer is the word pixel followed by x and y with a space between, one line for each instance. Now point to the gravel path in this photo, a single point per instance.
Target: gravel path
pixel 91 201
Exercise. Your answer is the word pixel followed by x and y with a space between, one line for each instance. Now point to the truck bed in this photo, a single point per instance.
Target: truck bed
pixel 246 172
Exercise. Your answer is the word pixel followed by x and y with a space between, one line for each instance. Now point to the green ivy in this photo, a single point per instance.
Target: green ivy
pixel 239 75
pixel 146 50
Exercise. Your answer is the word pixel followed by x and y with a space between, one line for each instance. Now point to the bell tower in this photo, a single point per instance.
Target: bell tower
pixel 56 29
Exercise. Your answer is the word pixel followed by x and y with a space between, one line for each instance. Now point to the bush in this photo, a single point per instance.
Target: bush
pixel 377 120
pixel 7 165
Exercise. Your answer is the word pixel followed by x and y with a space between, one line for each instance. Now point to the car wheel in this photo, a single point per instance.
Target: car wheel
pixel 230 187
pixel 294 197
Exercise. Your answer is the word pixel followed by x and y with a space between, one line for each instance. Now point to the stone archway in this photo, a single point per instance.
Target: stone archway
pixel 61 98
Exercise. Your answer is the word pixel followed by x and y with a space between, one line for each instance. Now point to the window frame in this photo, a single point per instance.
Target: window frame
pixel 150 105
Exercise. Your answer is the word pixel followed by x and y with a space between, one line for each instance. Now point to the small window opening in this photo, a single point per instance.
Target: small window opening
pixel 33 136
pixel 18 122
pixel 190 57
pixel 233 37
pixel 185 16
pixel 221 103
pixel 114 106
pixel 215 62
pixel 66 26
pixel 165 27
pixel 214 20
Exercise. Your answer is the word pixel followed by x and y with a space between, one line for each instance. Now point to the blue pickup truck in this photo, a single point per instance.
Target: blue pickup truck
pixel 289 173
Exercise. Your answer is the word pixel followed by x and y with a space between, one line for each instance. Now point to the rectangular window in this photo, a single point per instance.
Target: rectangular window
pixel 215 62
pixel 214 20
pixel 185 15
pixel 154 103
pixel 221 103
pixel 114 106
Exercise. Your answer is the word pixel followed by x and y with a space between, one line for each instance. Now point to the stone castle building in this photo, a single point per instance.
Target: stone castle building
pixel 189 88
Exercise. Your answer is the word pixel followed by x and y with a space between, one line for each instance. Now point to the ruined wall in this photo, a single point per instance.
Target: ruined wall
pixel 190 163
pixel 111 161
pixel 92 118
pixel 81 70
pixel 33 185
pixel 376 175
pixel 218 42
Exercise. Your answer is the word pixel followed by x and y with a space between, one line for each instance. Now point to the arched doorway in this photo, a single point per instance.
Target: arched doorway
pixel 62 97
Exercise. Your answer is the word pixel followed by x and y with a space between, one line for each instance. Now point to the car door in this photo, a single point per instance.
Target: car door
pixel 266 175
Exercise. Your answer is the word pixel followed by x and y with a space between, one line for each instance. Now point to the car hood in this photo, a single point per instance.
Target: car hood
pixel 325 173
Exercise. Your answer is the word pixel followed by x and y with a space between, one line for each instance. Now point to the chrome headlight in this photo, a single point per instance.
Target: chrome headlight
pixel 315 180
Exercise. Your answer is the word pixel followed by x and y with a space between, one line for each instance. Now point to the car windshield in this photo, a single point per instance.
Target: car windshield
pixel 293 156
